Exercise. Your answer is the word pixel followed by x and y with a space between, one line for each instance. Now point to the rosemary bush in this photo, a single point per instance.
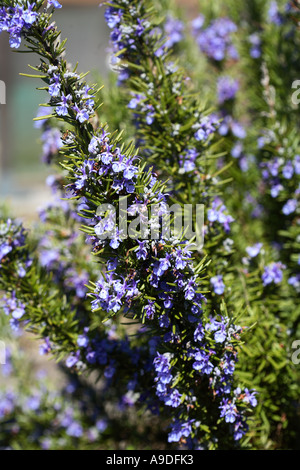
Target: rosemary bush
pixel 196 113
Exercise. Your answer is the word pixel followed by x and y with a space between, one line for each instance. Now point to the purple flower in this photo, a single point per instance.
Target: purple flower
pixel 206 127
pixel 188 161
pixel 199 333
pixel 4 250
pixel 228 410
pixel 227 89
pixel 52 142
pixel 63 108
pixel 83 340
pixel 215 41
pixel 173 29
pixel 217 214
pixel 150 309
pixel 240 428
pixel 135 101
pixel 253 250
pixel 288 170
pixel 273 14
pixel 197 23
pixel 297 164
pixel 71 361
pixel 255 41
pixel 202 362
pixel 74 429
pixel 237 150
pixel 180 429
pixel 17 21
pixel 142 251
pixel 101 425
pixel 221 335
pixel 294 281
pixel 250 397
pixel 275 190
pixel 54 3
pixel 112 17
pixel 55 86
pixel 273 273
pixel 82 114
pixel 290 207
pixel 218 284
pixel 174 399
pixel 45 347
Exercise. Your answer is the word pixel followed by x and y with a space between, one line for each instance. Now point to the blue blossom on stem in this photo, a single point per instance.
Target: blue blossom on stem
pixel 218 284
pixel 273 273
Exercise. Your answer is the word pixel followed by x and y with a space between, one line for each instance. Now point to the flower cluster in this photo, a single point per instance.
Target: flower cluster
pixel 227 88
pixel 273 273
pixel 12 244
pixel 138 103
pixel 64 104
pixel 206 127
pixel 278 173
pixel 173 29
pixel 54 419
pixel 217 213
pixel 123 36
pixel 255 45
pixel 218 284
pixel 51 136
pixel 17 21
pixel 156 282
pixel 14 309
pixel 188 161
pixel 274 16
pixel 216 40
pixel 164 378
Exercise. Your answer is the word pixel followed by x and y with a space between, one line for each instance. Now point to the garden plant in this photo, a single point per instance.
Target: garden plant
pixel 164 275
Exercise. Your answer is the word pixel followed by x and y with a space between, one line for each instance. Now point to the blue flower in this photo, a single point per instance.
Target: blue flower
pixel 82 115
pixel 4 250
pixel 288 170
pixel 273 14
pixel 255 41
pixel 206 127
pixel 180 429
pixel 173 29
pixel 254 250
pixel 227 89
pixel 290 207
pixel 173 399
pixel 215 41
pixel 249 397
pixel 62 108
pixel 55 86
pixel 218 284
pixel 273 273
pixel 54 3
pixel 228 411
pixel 74 429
